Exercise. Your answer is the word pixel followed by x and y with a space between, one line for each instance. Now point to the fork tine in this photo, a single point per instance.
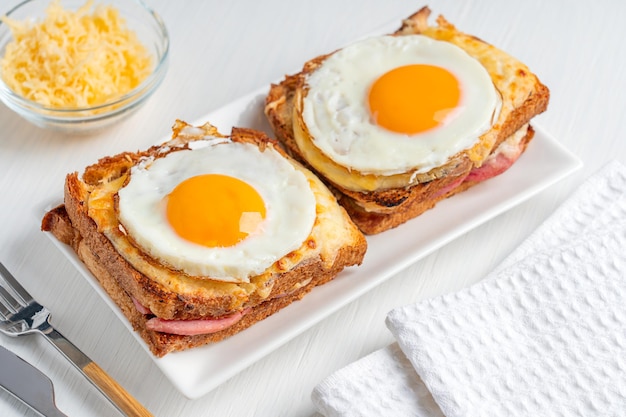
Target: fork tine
pixel 15 285
pixel 7 295
pixel 8 304
pixel 4 310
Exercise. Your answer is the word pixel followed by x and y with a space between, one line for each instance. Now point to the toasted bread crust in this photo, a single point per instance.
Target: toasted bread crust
pixel 73 224
pixel 373 222
pixel 58 222
pixel 376 211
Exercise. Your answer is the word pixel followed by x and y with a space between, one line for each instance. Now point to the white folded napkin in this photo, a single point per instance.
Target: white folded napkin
pixel 382 383
pixel 543 335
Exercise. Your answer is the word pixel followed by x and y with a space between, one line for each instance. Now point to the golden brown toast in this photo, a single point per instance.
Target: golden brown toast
pixel 146 289
pixel 378 209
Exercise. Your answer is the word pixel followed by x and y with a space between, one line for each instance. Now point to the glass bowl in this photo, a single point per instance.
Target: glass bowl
pixel 151 32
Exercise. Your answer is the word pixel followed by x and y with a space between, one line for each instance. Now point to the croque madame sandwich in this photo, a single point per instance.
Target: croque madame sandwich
pixel 200 237
pixel 394 124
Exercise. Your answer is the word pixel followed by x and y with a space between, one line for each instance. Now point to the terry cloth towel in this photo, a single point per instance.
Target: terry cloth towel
pixel 544 334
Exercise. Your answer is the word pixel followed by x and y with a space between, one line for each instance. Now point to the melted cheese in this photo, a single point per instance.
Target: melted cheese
pixel 74 58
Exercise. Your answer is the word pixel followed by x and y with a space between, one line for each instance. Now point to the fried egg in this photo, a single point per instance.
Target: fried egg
pixel 220 209
pixel 393 104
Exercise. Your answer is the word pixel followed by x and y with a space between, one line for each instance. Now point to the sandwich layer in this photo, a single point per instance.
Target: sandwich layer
pixel 386 198
pixel 378 220
pixel 411 100
pixel 160 300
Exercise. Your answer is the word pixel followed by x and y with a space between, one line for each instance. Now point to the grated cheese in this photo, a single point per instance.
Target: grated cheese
pixel 74 58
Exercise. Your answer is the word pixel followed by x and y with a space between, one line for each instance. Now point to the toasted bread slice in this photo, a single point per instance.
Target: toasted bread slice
pixel 155 297
pixel 382 207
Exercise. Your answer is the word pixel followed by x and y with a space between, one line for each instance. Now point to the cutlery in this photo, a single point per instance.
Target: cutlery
pixel 28 384
pixel 20 314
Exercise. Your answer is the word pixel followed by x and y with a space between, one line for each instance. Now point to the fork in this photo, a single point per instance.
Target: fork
pixel 20 315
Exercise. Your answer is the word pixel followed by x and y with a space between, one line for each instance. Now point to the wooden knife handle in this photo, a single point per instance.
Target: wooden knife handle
pixel 115 391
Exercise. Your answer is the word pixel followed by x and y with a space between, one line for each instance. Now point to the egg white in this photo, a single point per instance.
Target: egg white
pixel 289 200
pixel 338 121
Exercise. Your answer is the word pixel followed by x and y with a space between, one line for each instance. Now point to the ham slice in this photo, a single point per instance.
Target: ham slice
pixel 194 327
pixel 188 327
pixel 495 166
pixel 507 153
pixel 140 307
pixel 446 190
pixel 502 158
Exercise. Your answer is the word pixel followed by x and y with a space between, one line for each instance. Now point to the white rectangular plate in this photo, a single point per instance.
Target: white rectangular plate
pixel 197 371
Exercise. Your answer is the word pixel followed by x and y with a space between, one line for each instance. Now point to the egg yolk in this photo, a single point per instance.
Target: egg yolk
pixel 413 98
pixel 214 210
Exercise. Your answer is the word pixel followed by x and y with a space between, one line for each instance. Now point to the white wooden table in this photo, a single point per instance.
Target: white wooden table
pixel 223 50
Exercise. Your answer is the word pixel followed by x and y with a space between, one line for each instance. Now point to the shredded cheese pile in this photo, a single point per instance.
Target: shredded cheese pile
pixel 74 59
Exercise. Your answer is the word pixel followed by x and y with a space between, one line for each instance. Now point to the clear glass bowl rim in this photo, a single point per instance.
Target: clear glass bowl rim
pixel 121 103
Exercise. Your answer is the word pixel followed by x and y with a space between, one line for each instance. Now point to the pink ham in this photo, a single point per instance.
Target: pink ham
pixel 194 327
pixel 450 187
pixel 503 159
pixel 505 155
pixel 140 307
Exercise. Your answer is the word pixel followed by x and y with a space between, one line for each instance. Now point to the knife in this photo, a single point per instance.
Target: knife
pixel 28 384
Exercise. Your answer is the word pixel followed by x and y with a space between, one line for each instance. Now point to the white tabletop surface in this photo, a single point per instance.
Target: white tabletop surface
pixel 223 50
